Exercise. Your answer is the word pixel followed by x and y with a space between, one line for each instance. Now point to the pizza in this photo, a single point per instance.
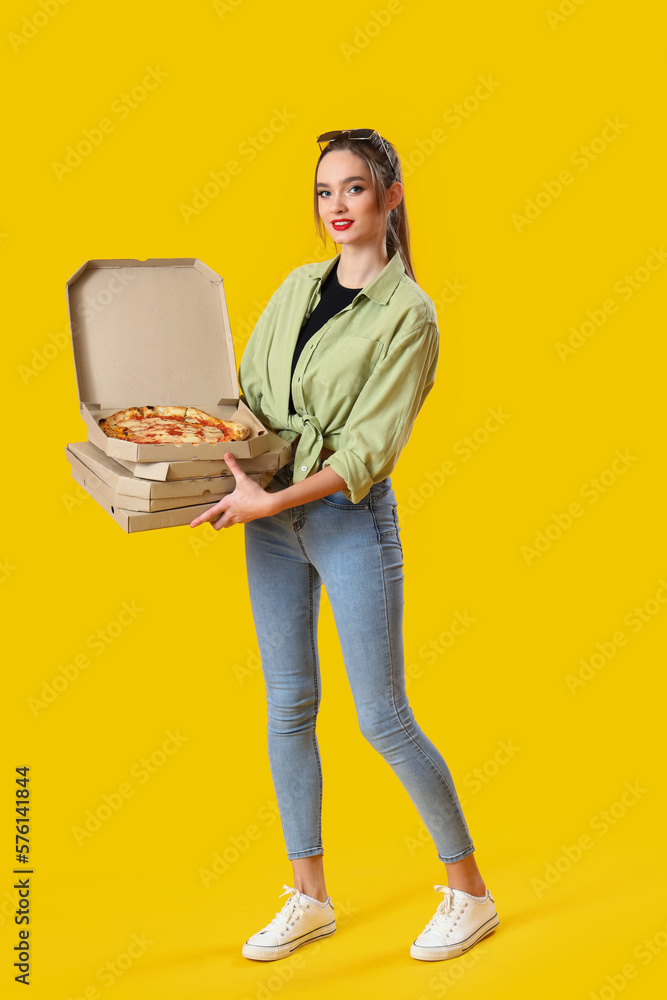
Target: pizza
pixel 171 425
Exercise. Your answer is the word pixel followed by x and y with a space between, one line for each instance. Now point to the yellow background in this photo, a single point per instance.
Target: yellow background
pixel 190 668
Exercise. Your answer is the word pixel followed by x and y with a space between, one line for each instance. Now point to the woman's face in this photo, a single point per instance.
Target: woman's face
pixel 345 192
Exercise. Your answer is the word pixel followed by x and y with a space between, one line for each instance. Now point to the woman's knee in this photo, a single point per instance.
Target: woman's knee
pixel 384 730
pixel 290 719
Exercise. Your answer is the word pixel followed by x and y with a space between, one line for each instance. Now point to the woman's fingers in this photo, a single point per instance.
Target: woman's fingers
pixel 221 506
pixel 223 522
pixel 234 467
pixel 208 515
pixel 247 502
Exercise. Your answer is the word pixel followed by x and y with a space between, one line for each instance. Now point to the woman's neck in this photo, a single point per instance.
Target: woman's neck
pixel 357 266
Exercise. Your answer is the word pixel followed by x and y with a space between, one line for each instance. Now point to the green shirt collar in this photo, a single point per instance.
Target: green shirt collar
pixel 380 289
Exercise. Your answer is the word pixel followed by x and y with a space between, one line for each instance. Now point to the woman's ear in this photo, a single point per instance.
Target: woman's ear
pixel 394 195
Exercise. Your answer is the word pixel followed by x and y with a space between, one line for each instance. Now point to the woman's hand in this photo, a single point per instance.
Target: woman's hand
pixel 248 501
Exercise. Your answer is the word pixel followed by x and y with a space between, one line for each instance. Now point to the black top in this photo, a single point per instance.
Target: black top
pixel 334 297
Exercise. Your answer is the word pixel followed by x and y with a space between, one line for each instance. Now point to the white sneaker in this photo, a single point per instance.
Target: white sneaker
pixel 456 926
pixel 299 922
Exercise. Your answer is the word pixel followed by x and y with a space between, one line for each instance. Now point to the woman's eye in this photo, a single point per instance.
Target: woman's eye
pixel 355 187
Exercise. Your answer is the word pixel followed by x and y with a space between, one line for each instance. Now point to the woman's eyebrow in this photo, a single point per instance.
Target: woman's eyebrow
pixel 346 180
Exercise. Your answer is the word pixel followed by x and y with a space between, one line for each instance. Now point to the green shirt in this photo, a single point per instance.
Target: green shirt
pixel 360 381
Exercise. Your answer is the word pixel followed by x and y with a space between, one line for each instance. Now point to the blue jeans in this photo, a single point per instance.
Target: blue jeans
pixel 355 551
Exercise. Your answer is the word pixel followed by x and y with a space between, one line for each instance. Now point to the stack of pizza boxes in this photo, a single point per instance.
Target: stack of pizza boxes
pixel 156 333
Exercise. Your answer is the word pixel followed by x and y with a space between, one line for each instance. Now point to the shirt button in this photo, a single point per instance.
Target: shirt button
pixel 304 468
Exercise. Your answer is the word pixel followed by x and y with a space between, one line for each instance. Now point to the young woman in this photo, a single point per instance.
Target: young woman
pixel 339 364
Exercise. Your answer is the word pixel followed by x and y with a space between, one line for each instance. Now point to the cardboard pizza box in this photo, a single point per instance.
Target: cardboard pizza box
pixel 180 492
pixel 96 486
pixel 132 520
pixel 156 332
pixel 278 455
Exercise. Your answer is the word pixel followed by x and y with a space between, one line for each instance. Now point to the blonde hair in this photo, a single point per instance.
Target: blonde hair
pixel 376 159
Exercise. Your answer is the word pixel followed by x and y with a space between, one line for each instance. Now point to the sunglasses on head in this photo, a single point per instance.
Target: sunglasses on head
pixel 356 133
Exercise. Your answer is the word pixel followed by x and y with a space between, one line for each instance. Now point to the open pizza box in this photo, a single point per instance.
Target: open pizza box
pixel 149 504
pixel 278 455
pixel 156 333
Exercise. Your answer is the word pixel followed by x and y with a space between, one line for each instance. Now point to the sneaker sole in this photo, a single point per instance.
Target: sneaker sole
pixel 454 950
pixel 268 954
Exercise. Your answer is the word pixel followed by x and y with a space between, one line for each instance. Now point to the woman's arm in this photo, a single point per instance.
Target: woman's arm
pixel 249 501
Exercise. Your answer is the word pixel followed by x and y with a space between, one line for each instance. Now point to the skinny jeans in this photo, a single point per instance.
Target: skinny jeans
pixel 355 551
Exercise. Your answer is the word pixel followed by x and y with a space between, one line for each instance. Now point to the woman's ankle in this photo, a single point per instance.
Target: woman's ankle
pixel 309 877
pixel 474 890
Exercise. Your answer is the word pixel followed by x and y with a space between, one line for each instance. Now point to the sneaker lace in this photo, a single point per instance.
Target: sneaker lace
pixel 447 915
pixel 292 911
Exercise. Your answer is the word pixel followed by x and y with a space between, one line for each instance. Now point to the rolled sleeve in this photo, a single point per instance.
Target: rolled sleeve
pixel 381 420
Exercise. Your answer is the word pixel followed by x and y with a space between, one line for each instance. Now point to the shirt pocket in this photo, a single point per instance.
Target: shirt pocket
pixel 346 369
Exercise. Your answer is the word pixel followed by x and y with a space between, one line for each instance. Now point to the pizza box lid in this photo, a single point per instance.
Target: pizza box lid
pixel 151 329
pixel 279 453
pixel 155 332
